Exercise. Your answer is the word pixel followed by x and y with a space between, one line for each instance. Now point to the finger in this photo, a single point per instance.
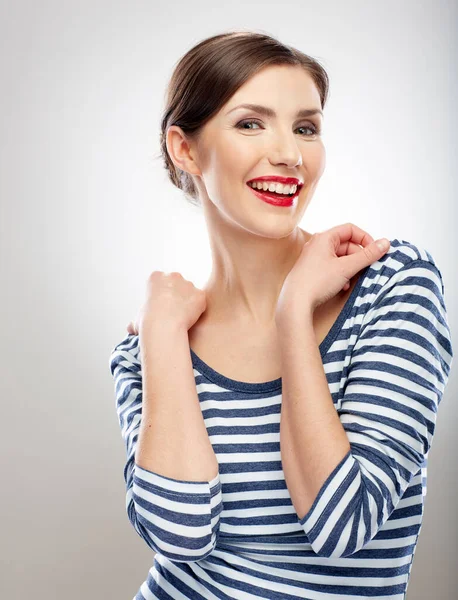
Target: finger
pixel 353 263
pixel 349 232
pixel 347 248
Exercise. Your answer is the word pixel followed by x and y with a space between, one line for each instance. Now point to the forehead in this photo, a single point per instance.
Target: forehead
pixel 278 86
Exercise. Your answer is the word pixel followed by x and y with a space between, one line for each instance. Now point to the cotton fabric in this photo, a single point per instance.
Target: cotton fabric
pixel 387 360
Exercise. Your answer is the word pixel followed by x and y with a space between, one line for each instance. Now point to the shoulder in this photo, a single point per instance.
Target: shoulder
pixel 404 290
pixel 402 308
pixel 406 263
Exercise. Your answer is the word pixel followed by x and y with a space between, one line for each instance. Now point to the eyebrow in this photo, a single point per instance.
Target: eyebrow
pixel 269 112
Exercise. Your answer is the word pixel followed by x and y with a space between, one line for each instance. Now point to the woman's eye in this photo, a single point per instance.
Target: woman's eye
pixel 314 129
pixel 242 125
pixel 246 122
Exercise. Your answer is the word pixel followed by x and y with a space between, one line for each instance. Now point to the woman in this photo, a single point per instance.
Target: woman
pixel 278 421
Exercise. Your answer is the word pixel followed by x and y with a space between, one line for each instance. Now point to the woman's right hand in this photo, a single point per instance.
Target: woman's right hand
pixel 169 299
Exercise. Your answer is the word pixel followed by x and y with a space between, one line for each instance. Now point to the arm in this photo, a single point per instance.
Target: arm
pixel 173 488
pixel 345 490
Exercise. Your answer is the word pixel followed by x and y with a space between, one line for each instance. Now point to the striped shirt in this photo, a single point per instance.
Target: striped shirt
pixel 387 359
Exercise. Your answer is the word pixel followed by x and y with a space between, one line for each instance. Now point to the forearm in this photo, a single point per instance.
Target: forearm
pixel 312 438
pixel 173 440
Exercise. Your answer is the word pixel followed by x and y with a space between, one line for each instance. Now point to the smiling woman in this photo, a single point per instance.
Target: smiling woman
pixel 276 457
pixel 214 161
pixel 223 64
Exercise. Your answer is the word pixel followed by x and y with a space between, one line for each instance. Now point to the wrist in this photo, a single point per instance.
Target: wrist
pixel 159 329
pixel 295 319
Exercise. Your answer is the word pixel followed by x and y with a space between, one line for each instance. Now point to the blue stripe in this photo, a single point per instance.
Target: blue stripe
pixel 387 358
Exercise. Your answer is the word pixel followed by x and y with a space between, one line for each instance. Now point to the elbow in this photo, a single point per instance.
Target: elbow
pixel 331 550
pixel 338 543
pixel 348 528
pixel 178 542
pixel 179 520
pixel 330 546
pixel 352 507
pixel 341 522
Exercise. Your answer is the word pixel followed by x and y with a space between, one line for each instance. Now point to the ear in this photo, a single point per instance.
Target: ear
pixel 181 150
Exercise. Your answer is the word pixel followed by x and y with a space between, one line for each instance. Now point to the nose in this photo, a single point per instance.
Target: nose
pixel 285 151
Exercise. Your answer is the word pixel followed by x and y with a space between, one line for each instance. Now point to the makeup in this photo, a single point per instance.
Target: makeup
pixel 275 199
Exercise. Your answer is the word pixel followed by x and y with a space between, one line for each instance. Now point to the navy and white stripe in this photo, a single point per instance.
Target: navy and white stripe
pixel 179 519
pixel 387 359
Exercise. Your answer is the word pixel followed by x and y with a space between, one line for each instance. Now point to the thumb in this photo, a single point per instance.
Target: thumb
pixel 368 255
pixel 131 328
pixel 382 245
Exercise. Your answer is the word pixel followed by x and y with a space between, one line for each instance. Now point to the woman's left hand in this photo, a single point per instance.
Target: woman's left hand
pixel 325 266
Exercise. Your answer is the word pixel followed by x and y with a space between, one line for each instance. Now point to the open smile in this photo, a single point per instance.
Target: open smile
pixel 276 199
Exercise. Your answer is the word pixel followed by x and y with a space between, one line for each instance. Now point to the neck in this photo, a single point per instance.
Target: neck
pixel 247 276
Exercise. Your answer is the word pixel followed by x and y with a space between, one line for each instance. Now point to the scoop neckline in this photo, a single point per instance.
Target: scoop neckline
pixel 266 386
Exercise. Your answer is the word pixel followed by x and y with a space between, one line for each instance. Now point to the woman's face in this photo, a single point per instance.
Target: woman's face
pixel 240 144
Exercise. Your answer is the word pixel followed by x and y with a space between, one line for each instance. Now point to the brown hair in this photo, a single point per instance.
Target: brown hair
pixel 206 77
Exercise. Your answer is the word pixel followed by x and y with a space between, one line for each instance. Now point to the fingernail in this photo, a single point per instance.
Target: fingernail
pixel 383 244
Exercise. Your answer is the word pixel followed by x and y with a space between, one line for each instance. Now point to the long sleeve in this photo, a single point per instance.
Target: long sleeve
pixel 178 519
pixel 395 380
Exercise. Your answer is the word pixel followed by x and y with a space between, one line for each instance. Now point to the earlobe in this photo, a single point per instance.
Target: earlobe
pixel 179 149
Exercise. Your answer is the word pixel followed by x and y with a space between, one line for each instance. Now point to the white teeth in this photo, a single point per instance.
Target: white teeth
pixel 278 188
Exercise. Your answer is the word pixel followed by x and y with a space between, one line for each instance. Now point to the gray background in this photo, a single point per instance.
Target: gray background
pixel 87 212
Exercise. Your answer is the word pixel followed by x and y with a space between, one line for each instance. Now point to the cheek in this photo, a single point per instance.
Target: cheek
pixel 221 186
pixel 228 174
pixel 315 160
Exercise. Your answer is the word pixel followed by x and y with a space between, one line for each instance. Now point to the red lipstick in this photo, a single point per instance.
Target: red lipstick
pixel 277 199
pixel 278 179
